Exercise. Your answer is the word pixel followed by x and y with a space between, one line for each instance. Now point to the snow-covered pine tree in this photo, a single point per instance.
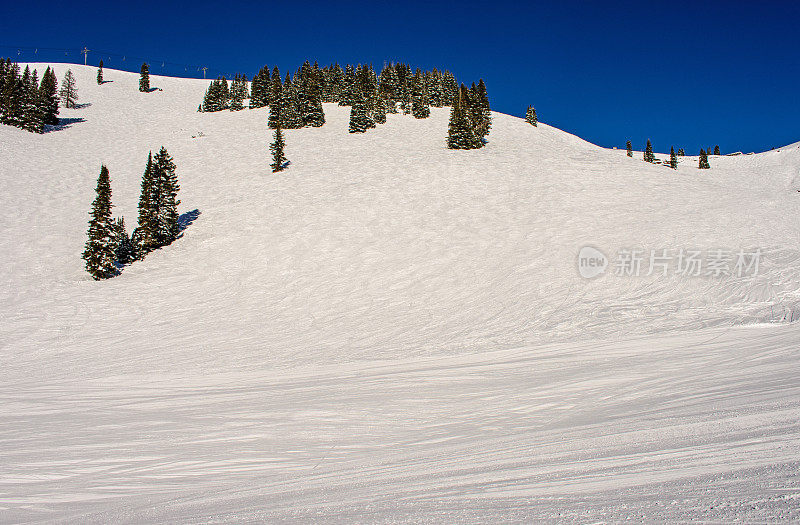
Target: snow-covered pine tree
pixel 648 152
pixel 144 78
pixel 673 158
pixel 449 88
pixel 359 121
pixel 703 162
pixel 530 116
pixel 100 73
pixel 99 251
pixel 629 148
pixel 167 212
pixel 381 108
pixel 279 160
pixel 349 87
pixel 419 97
pixel 276 97
pixel 69 92
pixel 12 97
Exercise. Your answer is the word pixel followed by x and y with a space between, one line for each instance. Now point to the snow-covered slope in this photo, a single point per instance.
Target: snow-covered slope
pixel 389 329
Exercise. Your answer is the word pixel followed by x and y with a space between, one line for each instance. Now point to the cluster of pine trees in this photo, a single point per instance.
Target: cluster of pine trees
pixel 221 96
pixel 29 104
pixel 673 157
pixel 470 118
pixel 108 245
pixel 295 101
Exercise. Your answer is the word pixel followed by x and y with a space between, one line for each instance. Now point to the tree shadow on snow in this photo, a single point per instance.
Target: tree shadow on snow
pixel 63 123
pixel 186 220
pixel 82 106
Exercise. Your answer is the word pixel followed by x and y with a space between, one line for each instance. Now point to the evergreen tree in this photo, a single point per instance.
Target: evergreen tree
pixel 69 93
pixel 99 252
pixel 12 97
pixel 124 250
pixel 703 164
pixel 381 108
pixel 290 114
pixel 144 78
pixel 278 144
pixel 238 93
pixel 716 150
pixel 167 211
pixel 146 235
pixel 32 117
pixel 100 73
pixel 310 97
pixel 449 88
pixel 673 158
pixel 419 97
pixel 461 131
pixel 482 114
pixel 648 152
pixel 276 97
pixel 359 121
pixel 681 153
pixel 530 116
pixel 629 148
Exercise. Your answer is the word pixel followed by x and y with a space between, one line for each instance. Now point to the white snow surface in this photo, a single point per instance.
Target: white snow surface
pixel 390 331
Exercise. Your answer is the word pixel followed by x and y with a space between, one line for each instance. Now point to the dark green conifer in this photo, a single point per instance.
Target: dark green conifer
pixel 648 152
pixel 716 150
pixel 629 148
pixel 673 158
pixel 279 160
pixel 167 210
pixel 530 116
pixel 359 120
pixel 703 162
pixel 100 73
pixel 69 92
pixel 146 234
pixel 99 252
pixel 144 78
pixel 419 97
pixel 125 251
pixel 681 153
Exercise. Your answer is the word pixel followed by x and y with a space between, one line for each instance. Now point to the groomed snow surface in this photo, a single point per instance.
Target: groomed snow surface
pixel 390 331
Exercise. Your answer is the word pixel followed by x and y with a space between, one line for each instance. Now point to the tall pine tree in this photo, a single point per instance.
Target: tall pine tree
pixel 100 73
pixel 673 158
pixel 703 161
pixel 648 152
pixel 629 148
pixel 99 252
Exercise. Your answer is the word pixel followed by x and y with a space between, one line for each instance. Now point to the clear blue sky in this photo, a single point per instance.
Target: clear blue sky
pixel 689 74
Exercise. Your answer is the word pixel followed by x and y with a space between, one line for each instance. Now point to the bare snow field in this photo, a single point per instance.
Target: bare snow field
pixel 390 331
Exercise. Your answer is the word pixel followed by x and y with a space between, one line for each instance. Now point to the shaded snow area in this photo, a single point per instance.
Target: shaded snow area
pixel 390 331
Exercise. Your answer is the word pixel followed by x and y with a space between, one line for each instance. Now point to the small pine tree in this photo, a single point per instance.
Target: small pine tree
pixel 69 93
pixel 673 159
pixel 279 160
pixel 100 73
pixel 124 251
pixel 681 153
pixel 144 78
pixel 629 148
pixel 703 163
pixel 99 252
pixel 530 116
pixel 648 152
pixel 716 150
